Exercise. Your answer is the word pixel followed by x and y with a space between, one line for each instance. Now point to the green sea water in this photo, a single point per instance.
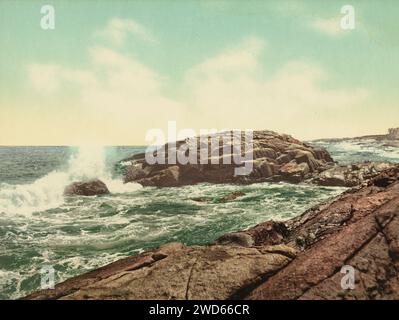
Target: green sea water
pixel 39 227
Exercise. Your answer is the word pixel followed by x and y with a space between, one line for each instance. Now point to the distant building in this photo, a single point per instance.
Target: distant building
pixel 393 133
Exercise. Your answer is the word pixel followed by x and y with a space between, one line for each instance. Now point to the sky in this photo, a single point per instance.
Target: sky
pixel 110 71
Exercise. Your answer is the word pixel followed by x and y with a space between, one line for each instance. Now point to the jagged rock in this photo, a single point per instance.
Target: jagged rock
pixel 268 233
pixel 236 238
pixel 359 229
pixel 294 172
pixel 271 152
pixel 128 264
pixel 135 172
pixel 168 177
pixel 86 188
pixel 350 175
pixel 276 157
pixel 308 158
pixel 215 272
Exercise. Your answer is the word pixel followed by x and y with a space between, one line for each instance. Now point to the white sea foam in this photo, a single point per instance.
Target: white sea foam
pixel 47 192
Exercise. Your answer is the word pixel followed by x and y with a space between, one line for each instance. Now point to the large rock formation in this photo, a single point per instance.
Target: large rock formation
pixel 86 188
pixel 276 157
pixel 360 229
pixel 298 259
pixel 177 272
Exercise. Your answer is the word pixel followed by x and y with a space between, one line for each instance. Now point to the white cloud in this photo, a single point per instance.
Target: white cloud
pixel 331 26
pixel 44 77
pixel 117 31
pixel 47 78
pixel 231 90
pixel 119 98
pixel 231 62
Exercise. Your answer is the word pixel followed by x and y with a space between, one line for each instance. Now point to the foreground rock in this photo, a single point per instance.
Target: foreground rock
pixel 298 259
pixel 360 229
pixel 87 188
pixel 276 157
pixel 177 272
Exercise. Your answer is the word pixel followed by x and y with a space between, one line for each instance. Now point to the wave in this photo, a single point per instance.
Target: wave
pixel 351 151
pixel 47 192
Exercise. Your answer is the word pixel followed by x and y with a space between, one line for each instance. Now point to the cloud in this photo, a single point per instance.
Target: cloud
pixel 119 98
pixel 116 99
pixel 309 17
pixel 230 63
pixel 47 78
pixel 232 90
pixel 117 30
pixel 331 26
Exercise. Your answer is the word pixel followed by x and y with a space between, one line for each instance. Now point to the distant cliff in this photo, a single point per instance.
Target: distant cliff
pixel 393 134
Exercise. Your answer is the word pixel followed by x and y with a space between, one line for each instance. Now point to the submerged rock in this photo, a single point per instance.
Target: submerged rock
pixel 228 197
pixel 232 196
pixel 86 188
pixel 201 199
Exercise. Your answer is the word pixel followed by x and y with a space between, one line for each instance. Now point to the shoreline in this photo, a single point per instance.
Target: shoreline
pixel 297 259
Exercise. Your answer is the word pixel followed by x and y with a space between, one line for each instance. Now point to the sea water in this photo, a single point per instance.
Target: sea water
pixel 40 227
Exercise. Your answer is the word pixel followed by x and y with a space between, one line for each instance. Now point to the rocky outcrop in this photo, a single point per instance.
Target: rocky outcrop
pixel 266 233
pixel 360 229
pixel 298 259
pixel 350 175
pixel 86 188
pixel 275 157
pixel 177 272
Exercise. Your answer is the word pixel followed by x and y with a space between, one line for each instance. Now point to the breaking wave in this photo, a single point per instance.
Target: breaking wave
pixel 47 192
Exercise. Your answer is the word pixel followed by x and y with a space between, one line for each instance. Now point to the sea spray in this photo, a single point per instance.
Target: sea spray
pixel 89 162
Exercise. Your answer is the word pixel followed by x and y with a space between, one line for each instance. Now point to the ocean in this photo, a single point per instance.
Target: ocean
pixel 41 227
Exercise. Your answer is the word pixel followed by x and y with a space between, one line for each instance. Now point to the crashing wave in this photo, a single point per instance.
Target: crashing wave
pixel 47 192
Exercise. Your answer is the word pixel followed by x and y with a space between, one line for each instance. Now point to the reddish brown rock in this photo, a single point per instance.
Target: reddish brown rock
pixel 86 188
pixel 359 229
pixel 215 272
pixel 275 157
pixel 271 152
